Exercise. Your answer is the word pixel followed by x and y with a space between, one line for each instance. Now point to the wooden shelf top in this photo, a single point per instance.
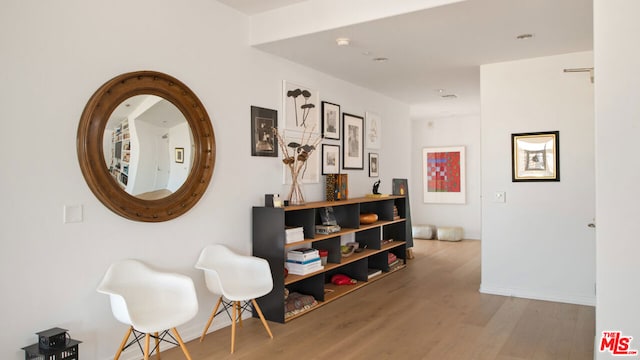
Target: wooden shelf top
pixel 321 204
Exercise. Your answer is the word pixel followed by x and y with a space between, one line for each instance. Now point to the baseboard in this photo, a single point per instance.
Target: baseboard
pixel 535 295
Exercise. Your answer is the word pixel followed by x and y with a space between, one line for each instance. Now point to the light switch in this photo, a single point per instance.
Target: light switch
pixel 72 214
pixel 499 197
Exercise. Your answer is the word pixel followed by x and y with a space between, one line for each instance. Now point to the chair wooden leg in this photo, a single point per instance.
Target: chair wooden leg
pixel 182 345
pixel 157 346
pixel 124 342
pixel 213 314
pixel 264 321
pixel 239 313
pixel 233 327
pixel 147 337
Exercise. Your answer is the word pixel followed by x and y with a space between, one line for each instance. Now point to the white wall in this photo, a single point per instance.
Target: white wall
pixel 537 244
pixel 617 56
pixel 448 131
pixel 55 55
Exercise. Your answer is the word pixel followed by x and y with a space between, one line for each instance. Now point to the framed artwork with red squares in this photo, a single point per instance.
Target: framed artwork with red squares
pixel 444 175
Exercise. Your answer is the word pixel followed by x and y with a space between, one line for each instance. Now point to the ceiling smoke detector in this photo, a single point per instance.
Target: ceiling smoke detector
pixel 343 42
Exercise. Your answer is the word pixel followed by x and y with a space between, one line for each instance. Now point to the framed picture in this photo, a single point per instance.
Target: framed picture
pixel 352 142
pixel 180 155
pixel 263 140
pixel 372 130
pixel 330 159
pixel 330 121
pixel 300 105
pixel 535 156
pixel 444 175
pixel 373 165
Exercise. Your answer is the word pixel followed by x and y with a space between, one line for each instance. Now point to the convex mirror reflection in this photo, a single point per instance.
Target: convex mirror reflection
pixel 148 147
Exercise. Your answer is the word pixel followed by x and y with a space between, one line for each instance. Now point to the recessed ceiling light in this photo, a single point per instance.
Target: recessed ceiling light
pixel 343 41
pixel 380 59
pixel 524 36
pixel 366 53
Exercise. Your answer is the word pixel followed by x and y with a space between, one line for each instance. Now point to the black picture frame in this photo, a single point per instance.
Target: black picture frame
pixel 330 159
pixel 330 120
pixel 535 156
pixel 263 140
pixel 374 165
pixel 179 155
pixel 352 142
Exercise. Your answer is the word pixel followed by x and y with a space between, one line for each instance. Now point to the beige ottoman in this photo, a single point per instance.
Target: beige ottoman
pixel 423 231
pixel 449 233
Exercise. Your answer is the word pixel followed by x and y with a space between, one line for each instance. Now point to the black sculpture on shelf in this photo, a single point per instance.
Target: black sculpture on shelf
pixel 376 185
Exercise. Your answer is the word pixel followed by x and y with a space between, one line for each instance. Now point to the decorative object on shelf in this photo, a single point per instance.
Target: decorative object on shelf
pixel 535 156
pixel 272 200
pixel 263 121
pixel 374 165
pixel 376 185
pixel 342 279
pixel 352 142
pixel 327 216
pixel 295 156
pixel 337 187
pixel 330 159
pixel 299 104
pixel 373 130
pixel 348 249
pixel 323 256
pixel 327 229
pixel 330 120
pixel 368 218
pixel 53 343
pixel 444 175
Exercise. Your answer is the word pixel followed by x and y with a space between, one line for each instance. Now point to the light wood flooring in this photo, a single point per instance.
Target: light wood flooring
pixel 430 310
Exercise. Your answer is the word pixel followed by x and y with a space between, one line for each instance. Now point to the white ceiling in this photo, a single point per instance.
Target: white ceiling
pixel 437 48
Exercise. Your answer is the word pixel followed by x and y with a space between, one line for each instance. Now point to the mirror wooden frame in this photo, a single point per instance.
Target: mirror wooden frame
pixel 91 155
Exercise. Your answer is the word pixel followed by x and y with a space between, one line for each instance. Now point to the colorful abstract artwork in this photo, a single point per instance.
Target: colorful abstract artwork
pixel 443 171
pixel 444 180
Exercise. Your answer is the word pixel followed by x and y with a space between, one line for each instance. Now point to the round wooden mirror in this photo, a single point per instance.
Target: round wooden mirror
pixel 106 154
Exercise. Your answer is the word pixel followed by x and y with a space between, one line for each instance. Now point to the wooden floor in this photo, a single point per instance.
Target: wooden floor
pixel 430 310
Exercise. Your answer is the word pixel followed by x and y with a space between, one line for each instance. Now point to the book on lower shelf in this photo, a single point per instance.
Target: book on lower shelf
pixel 303 269
pixel 371 273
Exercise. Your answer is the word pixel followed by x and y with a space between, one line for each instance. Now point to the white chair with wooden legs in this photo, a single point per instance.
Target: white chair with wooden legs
pixel 239 280
pixel 152 303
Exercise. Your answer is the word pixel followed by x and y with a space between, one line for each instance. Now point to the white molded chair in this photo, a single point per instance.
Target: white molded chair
pixel 236 278
pixel 150 302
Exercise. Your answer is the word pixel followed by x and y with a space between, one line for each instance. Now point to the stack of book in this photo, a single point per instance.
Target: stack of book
pixel 394 262
pixel 303 261
pixel 294 234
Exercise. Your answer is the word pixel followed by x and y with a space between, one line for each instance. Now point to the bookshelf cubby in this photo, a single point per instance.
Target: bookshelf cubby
pixel 387 235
